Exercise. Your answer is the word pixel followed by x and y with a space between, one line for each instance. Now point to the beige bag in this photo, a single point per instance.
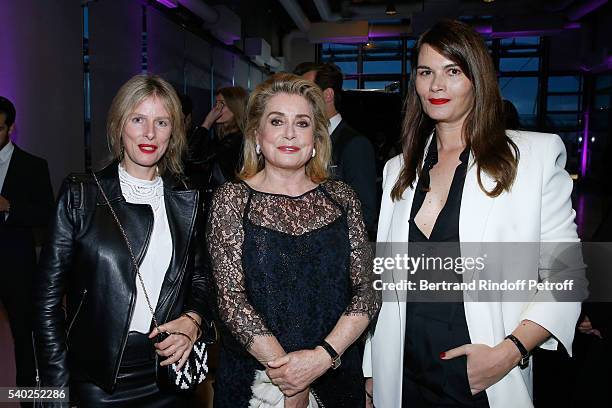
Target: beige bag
pixel 268 395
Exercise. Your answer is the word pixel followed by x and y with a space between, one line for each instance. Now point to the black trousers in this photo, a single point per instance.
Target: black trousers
pixel 429 381
pixel 17 267
pixel 135 386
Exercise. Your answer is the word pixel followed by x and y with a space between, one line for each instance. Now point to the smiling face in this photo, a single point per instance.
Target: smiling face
pixel 145 137
pixel 446 93
pixel 286 132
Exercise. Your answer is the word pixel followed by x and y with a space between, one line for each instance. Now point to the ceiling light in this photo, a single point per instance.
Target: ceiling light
pixel 168 3
pixel 390 11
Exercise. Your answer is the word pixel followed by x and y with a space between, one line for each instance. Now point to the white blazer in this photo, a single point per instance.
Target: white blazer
pixel 538 209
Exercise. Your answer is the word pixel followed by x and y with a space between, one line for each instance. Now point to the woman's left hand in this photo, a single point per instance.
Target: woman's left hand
pixel 176 346
pixel 295 371
pixel 486 365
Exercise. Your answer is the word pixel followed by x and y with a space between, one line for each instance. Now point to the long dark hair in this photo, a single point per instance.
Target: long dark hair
pixel 483 129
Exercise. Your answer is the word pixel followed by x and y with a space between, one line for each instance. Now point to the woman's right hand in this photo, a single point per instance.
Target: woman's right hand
pixel 299 400
pixel 369 391
pixel 213 115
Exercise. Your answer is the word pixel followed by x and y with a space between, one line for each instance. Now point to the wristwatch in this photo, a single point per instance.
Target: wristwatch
pixel 332 353
pixel 524 362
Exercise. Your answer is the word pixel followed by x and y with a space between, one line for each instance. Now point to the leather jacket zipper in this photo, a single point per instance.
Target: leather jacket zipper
pixel 36 362
pixel 133 300
pixel 76 314
pixel 184 264
pixel 316 397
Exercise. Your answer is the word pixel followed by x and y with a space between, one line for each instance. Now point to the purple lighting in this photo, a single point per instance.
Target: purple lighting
pixel 585 145
pixel 583 9
pixel 572 26
pixel 168 3
pixel 484 29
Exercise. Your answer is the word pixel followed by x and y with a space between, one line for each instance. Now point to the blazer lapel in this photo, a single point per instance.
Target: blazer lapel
pixel 475 205
pixel 11 183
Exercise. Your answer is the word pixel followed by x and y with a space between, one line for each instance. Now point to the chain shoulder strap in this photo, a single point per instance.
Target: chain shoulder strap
pixel 129 246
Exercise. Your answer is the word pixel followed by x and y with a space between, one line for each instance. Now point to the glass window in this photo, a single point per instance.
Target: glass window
pixel 568 121
pixel 521 50
pixel 563 103
pixel 519 64
pixel 603 82
pixel 389 86
pixel 382 67
pixel 347 67
pixel 564 84
pixel 603 101
pixel 506 42
pixel 522 92
pixel 349 84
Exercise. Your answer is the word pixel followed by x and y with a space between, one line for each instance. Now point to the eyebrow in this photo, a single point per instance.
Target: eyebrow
pixel 302 115
pixel 445 67
pixel 142 114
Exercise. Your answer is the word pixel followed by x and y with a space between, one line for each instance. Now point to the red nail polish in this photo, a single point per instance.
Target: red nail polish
pixel 442 354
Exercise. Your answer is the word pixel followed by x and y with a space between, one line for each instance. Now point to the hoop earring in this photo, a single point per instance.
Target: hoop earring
pixel 258 149
pixel 314 152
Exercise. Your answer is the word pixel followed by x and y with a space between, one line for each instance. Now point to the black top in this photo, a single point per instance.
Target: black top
pixel 289 267
pixel 354 162
pixel 212 161
pixel 435 326
pixel 446 227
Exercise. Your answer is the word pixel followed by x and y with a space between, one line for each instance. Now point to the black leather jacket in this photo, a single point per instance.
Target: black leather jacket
pixel 86 259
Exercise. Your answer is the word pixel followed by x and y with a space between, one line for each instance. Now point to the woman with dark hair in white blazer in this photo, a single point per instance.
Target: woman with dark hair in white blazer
pixel 463 178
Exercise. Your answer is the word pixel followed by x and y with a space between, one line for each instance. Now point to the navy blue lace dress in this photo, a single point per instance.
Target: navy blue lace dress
pixel 288 267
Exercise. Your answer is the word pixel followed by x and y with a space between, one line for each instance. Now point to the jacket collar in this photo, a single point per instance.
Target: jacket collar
pixel 109 179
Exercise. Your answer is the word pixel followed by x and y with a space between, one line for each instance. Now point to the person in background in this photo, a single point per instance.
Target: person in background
pixel 511 116
pixel 462 177
pixel 215 147
pixel 103 346
pixel 353 158
pixel 26 203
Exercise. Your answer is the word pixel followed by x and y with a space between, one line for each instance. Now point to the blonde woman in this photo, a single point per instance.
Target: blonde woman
pixel 104 348
pixel 290 258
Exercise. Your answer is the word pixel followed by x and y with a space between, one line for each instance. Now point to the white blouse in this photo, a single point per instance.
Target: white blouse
pixel 159 252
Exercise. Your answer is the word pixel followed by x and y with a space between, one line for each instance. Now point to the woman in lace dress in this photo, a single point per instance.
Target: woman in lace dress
pixel 290 258
pixel 103 348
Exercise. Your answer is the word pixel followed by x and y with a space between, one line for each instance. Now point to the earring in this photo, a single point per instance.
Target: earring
pixel 258 149
pixel 121 151
pixel 314 152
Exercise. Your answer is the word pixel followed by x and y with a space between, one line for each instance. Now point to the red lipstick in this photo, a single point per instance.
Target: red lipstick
pixel 147 148
pixel 289 149
pixel 438 101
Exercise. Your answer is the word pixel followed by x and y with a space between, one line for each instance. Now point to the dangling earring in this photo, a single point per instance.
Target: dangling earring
pixel 314 152
pixel 121 152
pixel 258 149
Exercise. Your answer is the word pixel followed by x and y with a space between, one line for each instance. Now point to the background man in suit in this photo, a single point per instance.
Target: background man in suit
pixel 353 158
pixel 26 201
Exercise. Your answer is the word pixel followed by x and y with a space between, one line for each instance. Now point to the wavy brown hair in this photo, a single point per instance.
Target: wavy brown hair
pixel 317 167
pixel 235 99
pixel 483 130
pixel 129 96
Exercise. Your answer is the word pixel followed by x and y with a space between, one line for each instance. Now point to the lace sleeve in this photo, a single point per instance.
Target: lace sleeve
pixel 365 300
pixel 225 235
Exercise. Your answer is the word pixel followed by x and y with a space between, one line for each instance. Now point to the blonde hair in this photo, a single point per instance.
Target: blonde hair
pixel 282 83
pixel 129 96
pixel 236 100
